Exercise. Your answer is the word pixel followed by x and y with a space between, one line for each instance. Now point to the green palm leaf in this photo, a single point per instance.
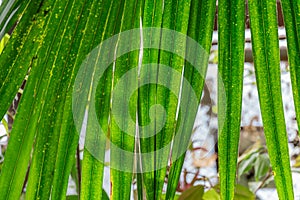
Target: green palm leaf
pixel 152 17
pixel 175 17
pixel 291 11
pixel 92 167
pixel 82 72
pixel 200 29
pixel 231 24
pixel 125 140
pixel 264 35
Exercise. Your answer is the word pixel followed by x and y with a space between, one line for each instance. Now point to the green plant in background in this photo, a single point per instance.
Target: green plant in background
pixel 50 41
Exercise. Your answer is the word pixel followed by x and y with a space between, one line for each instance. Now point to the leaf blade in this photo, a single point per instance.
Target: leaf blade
pixel 231 25
pixel 200 31
pixel 263 21
pixel 291 10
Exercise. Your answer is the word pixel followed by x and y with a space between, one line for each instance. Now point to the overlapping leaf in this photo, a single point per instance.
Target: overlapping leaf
pixel 291 12
pixel 200 27
pixel 54 39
